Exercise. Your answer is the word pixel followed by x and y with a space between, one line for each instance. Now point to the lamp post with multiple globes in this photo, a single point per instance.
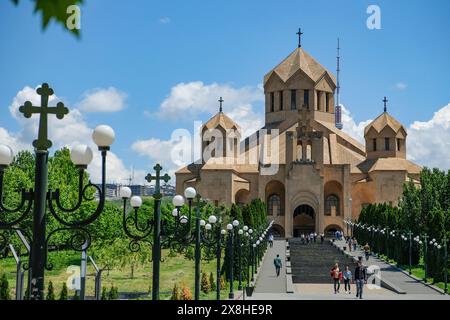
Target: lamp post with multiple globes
pixel 36 201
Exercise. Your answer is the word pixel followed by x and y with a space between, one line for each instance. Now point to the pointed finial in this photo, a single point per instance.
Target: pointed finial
pixel 385 100
pixel 299 37
pixel 220 105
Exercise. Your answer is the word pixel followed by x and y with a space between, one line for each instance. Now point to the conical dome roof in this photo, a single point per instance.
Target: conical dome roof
pixel 299 59
pixel 221 119
pixel 382 121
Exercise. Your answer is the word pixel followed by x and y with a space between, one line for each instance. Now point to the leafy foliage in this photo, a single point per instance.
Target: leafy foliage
pixel 423 210
pixel 4 288
pixel 54 10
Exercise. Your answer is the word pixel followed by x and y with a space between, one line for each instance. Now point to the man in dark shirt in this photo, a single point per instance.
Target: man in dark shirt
pixel 360 279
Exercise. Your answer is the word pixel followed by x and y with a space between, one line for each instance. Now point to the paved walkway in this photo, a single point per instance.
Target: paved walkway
pixel 267 281
pixel 393 275
pixel 270 287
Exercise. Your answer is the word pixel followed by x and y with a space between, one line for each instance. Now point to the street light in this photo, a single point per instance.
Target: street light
pixel 214 237
pixel 152 227
pixel 35 202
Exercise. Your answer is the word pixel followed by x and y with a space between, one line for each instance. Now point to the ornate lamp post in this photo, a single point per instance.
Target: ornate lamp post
pixel 186 238
pixel 230 228
pixel 410 243
pixel 37 199
pixel 151 227
pixel 239 243
pixel 251 249
pixel 214 237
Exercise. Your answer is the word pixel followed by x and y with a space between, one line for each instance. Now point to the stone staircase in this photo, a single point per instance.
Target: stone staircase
pixel 311 263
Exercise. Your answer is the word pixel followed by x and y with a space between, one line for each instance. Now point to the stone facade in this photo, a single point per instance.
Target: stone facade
pixel 312 175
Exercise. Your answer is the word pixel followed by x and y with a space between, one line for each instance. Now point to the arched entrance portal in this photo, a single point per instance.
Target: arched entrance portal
pixel 304 220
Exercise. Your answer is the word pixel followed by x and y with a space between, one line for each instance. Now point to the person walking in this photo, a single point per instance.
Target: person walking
pixel 271 240
pixel 360 279
pixel 336 275
pixel 322 238
pixel 315 237
pixel 347 275
pixel 350 244
pixel 278 264
pixel 366 251
pixel 355 243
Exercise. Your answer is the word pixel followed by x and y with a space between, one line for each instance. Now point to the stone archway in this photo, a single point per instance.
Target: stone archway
pixel 304 220
pixel 331 229
pixel 277 231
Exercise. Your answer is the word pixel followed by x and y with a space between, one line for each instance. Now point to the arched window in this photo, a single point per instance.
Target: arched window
pixel 274 205
pixel 332 205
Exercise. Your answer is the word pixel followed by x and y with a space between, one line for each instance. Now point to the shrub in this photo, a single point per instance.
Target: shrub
pixel 185 293
pixel 4 288
pixel 212 282
pixel 63 294
pixel 113 293
pixel 104 295
pixel 204 284
pixel 50 292
pixel 175 293
pixel 223 286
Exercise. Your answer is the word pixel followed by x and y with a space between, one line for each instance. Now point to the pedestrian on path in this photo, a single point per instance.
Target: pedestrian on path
pixel 336 275
pixel 355 243
pixel 367 251
pixel 350 244
pixel 271 240
pixel 278 264
pixel 322 238
pixel 360 279
pixel 347 275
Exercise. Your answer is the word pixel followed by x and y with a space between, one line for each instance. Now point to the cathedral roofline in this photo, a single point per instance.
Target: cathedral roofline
pixel 299 59
pixel 382 121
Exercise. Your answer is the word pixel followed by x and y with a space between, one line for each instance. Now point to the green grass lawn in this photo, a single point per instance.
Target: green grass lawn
pixel 176 269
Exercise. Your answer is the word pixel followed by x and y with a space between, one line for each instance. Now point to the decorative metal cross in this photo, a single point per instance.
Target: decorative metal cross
pixel 157 178
pixel 220 106
pixel 42 142
pixel 385 100
pixel 299 37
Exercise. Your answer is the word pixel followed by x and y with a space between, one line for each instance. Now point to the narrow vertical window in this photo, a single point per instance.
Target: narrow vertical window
pixel 306 98
pixel 318 100
pixel 293 99
pixel 374 144
pixel 386 144
pixel 398 144
pixel 281 100
pixel 327 102
pixel 272 102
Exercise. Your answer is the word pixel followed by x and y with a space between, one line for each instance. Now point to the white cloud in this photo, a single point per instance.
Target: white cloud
pixel 355 130
pixel 69 131
pixel 163 152
pixel 401 86
pixel 189 100
pixel 428 142
pixel 103 100
pixel 164 20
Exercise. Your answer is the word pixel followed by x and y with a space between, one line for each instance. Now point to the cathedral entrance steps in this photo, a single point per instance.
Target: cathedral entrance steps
pixel 311 263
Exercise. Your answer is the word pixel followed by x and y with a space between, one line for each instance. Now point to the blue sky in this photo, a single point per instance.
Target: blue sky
pixel 145 48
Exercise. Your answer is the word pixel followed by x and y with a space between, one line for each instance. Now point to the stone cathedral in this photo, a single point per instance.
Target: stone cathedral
pixel 323 175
